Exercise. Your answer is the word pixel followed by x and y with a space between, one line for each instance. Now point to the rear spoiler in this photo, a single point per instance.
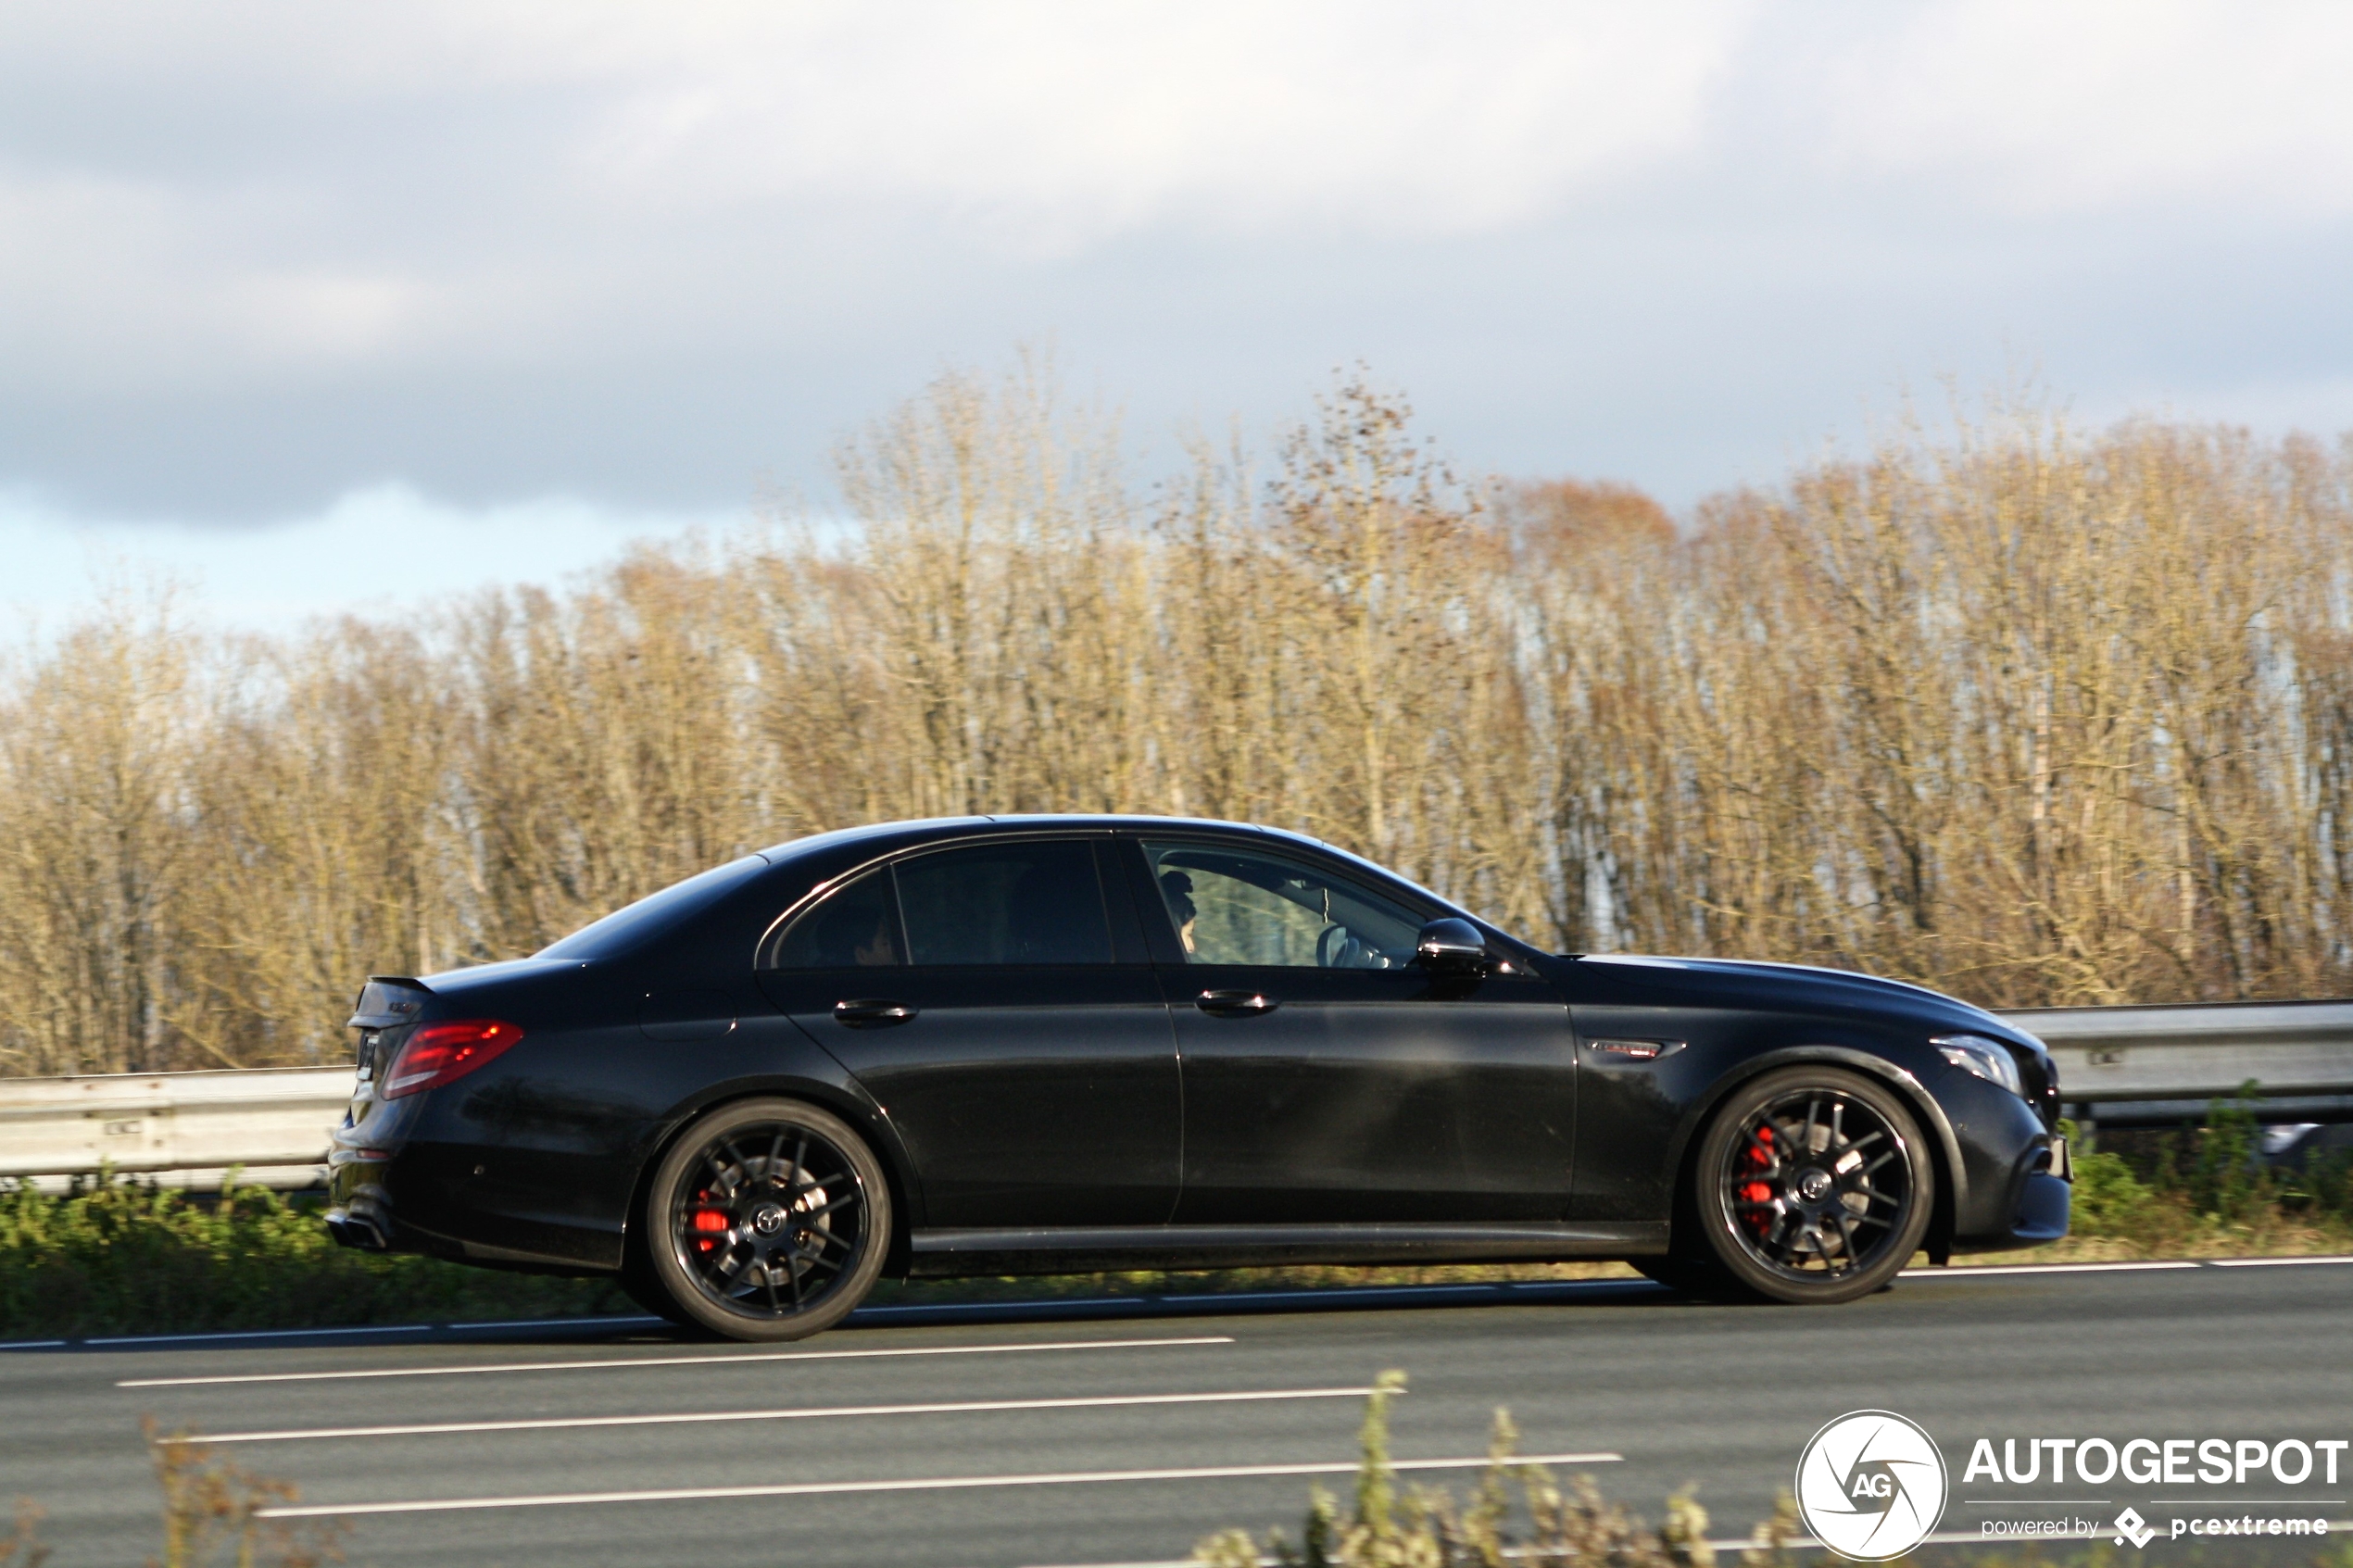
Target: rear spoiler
pixel 388 1000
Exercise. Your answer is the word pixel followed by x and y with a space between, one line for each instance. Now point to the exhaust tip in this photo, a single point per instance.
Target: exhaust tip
pixel 361 1230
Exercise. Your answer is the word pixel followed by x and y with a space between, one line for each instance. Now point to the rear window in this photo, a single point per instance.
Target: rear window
pixel 997 905
pixel 633 924
pixel 1034 902
pixel 852 927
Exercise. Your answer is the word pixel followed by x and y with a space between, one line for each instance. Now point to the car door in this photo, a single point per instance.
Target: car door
pixel 1327 1077
pixel 1004 1014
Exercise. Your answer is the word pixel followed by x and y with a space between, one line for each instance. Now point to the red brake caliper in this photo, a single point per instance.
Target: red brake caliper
pixel 1757 1159
pixel 707 1223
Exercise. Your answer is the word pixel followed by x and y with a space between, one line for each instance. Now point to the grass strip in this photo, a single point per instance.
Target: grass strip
pixel 119 1256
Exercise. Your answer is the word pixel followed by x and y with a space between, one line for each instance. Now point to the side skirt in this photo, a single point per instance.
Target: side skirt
pixel 941 1254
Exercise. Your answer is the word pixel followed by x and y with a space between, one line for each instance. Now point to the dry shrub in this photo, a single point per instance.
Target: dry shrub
pixel 1426 1528
pixel 212 1511
pixel 24 1549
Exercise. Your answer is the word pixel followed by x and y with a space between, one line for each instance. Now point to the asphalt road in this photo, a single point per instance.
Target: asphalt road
pixel 1162 1426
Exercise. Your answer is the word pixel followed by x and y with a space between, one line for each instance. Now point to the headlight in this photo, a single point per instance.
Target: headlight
pixel 1989 1059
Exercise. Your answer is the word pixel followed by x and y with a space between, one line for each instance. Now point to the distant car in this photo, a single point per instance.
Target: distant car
pixel 1020 1045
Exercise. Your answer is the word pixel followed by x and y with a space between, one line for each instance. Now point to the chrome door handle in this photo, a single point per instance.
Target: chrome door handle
pixel 873 1015
pixel 1235 1004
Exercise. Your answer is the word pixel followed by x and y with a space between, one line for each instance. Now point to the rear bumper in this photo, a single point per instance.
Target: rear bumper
pixel 399 1201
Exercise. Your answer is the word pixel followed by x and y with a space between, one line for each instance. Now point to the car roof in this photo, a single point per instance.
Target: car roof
pixel 886 838
pixel 923 829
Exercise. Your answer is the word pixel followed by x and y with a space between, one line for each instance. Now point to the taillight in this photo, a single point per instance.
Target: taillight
pixel 441 1053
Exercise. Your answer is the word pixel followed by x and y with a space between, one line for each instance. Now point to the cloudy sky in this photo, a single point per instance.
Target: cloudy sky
pixel 327 305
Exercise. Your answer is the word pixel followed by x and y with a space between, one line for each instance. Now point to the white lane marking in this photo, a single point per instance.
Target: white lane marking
pixel 637 1321
pixel 624 1365
pixel 256 1333
pixel 1338 1293
pixel 1966 1272
pixel 1372 1292
pixel 864 1312
pixel 957 1407
pixel 927 1483
pixel 32 1345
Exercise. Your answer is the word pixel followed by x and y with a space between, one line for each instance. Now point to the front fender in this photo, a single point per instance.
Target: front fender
pixel 1945 1145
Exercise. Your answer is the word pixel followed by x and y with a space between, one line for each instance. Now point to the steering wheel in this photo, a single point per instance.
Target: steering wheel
pixel 1333 946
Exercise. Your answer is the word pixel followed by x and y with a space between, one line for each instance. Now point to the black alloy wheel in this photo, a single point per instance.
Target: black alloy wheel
pixel 1812 1184
pixel 767 1220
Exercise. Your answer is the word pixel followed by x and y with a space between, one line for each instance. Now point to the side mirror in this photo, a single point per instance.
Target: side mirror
pixel 1451 947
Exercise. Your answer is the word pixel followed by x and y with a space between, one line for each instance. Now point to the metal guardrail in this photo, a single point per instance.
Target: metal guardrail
pixel 183 1128
pixel 2197 1050
pixel 2117 1065
pixel 2155 1065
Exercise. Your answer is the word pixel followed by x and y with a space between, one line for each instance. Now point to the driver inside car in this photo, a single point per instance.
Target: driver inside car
pixel 1177 888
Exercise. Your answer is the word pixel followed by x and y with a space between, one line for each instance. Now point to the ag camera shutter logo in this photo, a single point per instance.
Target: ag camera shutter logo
pixel 1871 1486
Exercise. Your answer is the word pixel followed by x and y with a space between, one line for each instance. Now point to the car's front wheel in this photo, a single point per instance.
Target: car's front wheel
pixel 1812 1184
pixel 767 1220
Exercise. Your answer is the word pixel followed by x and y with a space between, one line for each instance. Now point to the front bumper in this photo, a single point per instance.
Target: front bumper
pixel 2036 1202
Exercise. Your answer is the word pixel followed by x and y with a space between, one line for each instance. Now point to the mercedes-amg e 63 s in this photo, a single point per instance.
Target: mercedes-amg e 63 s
pixel 1059 1044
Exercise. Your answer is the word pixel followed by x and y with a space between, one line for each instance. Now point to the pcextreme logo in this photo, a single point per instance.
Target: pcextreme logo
pixel 1871 1486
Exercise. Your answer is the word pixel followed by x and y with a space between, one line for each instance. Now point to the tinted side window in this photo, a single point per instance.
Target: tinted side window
pixel 1035 903
pixel 1242 907
pixel 854 927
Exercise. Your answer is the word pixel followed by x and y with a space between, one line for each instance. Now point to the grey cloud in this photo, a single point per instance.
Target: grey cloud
pixel 494 253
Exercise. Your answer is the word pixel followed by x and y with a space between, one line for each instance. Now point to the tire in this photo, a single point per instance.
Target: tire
pixel 1812 1184
pixel 767 1220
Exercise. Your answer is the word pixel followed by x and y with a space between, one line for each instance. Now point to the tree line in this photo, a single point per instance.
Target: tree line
pixel 2030 713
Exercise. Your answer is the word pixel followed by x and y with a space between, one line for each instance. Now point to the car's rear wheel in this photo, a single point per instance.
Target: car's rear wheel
pixel 767 1220
pixel 1812 1184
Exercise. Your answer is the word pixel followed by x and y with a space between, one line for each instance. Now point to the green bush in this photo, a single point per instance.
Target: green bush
pixel 118 1257
pixel 2206 1190
pixel 2109 1199
pixel 2225 1178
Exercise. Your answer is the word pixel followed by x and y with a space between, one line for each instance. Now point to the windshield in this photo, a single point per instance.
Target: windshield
pixel 655 913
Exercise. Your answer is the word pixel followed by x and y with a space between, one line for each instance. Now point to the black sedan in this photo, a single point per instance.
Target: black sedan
pixel 1061 1044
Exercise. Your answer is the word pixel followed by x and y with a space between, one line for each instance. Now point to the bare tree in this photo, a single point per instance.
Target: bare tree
pixel 2030 713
